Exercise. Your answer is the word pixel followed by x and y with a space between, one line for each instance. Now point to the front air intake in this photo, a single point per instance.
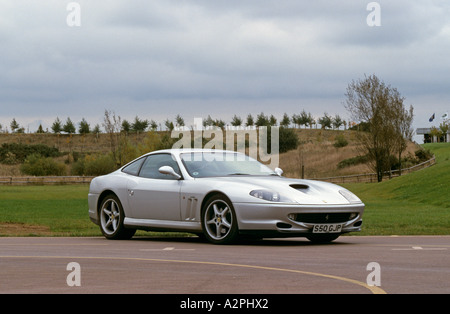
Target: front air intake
pixel 283 225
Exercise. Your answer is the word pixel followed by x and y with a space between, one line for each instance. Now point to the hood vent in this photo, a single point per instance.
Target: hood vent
pixel 300 187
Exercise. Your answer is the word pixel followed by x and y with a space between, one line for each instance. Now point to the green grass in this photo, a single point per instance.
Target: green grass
pixel 62 209
pixel 414 204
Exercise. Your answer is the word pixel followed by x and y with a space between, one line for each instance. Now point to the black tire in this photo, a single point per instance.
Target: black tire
pixel 111 216
pixel 219 222
pixel 323 238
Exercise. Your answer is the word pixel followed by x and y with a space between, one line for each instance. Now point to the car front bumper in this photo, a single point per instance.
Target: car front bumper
pixel 290 220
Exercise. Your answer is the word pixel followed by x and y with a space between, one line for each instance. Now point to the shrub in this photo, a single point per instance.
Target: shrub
pixel 340 141
pixel 13 153
pixel 94 165
pixel 288 140
pixel 36 165
pixel 352 161
pixel 423 154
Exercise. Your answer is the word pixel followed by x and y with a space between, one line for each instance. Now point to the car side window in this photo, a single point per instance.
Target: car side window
pixel 150 168
pixel 134 167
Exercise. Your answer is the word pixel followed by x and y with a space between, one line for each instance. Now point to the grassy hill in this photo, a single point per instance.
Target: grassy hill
pixel 316 151
pixel 417 203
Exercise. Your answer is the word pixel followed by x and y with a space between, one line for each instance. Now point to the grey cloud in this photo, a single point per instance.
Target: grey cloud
pixel 199 53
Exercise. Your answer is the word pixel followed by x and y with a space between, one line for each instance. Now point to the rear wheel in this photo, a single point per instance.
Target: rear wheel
pixel 219 220
pixel 111 219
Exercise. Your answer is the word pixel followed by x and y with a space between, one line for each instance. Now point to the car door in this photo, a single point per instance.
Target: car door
pixel 153 195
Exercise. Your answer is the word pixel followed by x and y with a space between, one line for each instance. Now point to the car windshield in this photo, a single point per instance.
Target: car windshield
pixel 219 164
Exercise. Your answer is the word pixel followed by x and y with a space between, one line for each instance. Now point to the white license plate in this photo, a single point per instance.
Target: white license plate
pixel 327 228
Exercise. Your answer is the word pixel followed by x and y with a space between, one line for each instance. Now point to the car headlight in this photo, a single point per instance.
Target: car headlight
pixel 349 196
pixel 271 196
pixel 266 195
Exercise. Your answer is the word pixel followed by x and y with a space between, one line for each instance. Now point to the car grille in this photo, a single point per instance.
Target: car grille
pixel 324 217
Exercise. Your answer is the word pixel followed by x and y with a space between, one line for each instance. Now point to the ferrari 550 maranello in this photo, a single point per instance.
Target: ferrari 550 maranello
pixel 219 195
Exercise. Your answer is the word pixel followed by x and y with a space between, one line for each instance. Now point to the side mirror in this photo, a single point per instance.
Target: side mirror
pixel 169 170
pixel 278 171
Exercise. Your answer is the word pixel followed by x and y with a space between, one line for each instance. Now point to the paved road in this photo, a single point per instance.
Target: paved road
pixel 407 264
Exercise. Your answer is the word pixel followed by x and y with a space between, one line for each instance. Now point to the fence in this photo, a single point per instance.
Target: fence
pixel 368 177
pixel 372 177
pixel 45 180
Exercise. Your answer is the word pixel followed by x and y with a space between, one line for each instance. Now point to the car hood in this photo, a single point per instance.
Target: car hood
pixel 309 192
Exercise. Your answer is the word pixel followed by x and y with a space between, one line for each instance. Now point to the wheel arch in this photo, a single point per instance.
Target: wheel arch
pixel 102 196
pixel 209 195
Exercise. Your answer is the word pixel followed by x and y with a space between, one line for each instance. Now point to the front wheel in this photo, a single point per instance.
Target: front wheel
pixel 219 220
pixel 111 219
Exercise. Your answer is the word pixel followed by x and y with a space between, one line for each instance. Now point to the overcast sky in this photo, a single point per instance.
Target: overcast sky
pixel 157 59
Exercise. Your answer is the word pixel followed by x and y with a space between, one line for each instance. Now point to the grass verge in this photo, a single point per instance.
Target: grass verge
pixel 414 204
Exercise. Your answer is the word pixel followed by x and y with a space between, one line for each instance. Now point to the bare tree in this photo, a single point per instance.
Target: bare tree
pixel 404 130
pixel 112 125
pixel 381 107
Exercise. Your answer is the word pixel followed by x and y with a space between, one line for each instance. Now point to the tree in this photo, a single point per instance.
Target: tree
pixel 403 128
pixel 236 121
pixel 325 121
pixel 219 123
pixel 57 126
pixel 96 129
pixel 169 125
pixel 139 125
pixel 337 122
pixel 444 128
pixel 303 118
pixel 84 127
pixel 208 121
pixel 15 127
pixel 179 120
pixel 380 107
pixel 69 127
pixel 126 126
pixel 311 120
pixel 40 129
pixel 272 120
pixel 261 120
pixel 296 120
pixel 285 121
pixel 250 121
pixel 112 125
pixel 153 125
pixel 435 133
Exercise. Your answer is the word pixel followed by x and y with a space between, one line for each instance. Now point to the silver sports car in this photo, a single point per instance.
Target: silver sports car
pixel 219 195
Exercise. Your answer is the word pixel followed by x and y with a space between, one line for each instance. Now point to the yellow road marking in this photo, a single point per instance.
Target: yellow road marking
pixel 373 289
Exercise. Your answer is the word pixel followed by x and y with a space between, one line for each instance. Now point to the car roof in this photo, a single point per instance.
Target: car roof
pixel 178 151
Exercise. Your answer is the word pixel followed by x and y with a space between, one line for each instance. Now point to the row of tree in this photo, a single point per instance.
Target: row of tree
pixel 141 125
pixel 375 105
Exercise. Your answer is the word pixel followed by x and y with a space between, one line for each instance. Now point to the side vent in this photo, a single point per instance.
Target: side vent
pixel 191 205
